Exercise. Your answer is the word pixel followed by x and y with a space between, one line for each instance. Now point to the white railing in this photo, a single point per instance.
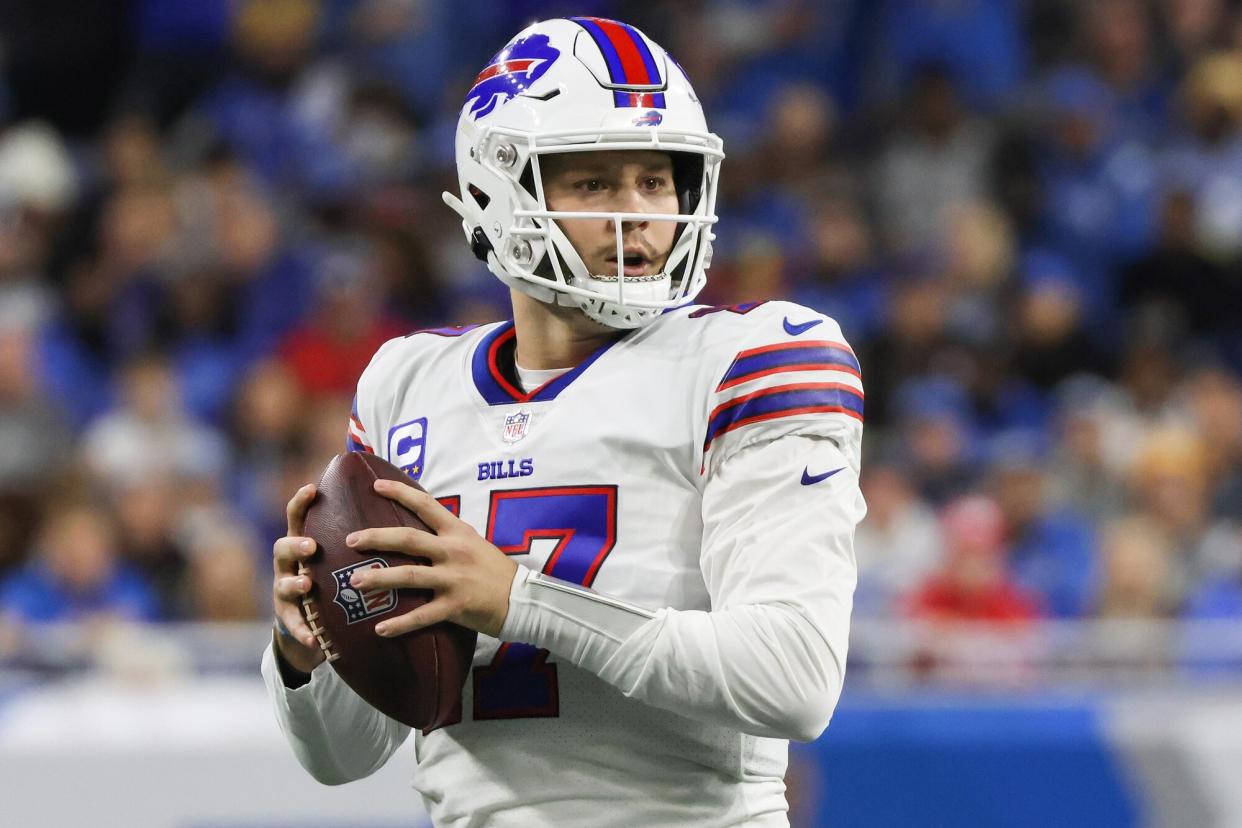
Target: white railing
pixel 1046 653
pixel 883 652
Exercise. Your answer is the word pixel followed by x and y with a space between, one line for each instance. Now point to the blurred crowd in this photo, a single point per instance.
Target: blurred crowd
pixel 1027 217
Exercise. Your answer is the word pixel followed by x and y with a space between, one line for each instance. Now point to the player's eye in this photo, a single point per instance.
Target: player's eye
pixel 654 183
pixel 590 185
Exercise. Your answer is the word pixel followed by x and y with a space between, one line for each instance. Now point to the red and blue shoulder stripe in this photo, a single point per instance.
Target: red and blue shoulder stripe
pixel 786 379
pixel 356 438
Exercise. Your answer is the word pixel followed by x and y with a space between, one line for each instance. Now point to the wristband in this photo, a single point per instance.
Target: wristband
pixel 283 631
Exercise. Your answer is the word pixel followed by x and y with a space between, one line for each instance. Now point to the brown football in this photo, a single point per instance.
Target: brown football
pixel 415 678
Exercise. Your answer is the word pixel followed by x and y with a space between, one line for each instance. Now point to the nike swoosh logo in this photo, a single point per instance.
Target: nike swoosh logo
pixel 801 327
pixel 809 479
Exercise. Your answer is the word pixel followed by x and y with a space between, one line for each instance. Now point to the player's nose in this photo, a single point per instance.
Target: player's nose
pixel 630 200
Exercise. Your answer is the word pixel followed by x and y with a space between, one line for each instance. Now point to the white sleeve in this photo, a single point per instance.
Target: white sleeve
pixel 778 562
pixel 335 735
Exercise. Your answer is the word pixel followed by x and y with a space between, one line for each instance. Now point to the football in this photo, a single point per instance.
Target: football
pixel 415 678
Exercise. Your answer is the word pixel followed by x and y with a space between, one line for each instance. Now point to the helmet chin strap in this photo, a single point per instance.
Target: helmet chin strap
pixel 651 288
pixel 606 307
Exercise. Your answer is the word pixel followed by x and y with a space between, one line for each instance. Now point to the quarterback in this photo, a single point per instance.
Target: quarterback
pixel 646 507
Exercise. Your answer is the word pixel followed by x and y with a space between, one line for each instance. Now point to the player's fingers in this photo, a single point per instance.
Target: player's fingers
pixel 290 616
pixel 292 587
pixel 287 551
pixel 399 577
pixel 430 613
pixel 295 509
pixel 432 511
pixel 403 539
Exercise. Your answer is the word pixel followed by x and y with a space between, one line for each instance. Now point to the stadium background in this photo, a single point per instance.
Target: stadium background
pixel 1027 217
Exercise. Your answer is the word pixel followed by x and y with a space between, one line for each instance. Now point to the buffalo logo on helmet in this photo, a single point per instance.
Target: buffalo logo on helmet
pixel 360 605
pixel 512 71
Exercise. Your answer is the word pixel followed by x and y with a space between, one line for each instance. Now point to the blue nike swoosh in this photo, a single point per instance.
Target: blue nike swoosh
pixel 801 327
pixel 810 479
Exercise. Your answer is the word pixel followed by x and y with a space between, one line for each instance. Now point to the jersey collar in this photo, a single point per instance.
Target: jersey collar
pixel 494 384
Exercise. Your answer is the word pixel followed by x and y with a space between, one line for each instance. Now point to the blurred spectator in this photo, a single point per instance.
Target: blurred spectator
pixel 429 51
pixel 75 574
pixel 897 546
pixel 1170 484
pixel 35 168
pixel 180 49
pixel 1050 339
pixel 1213 398
pixel 1194 27
pixel 148 435
pixel 234 237
pixel 350 322
pixel 265 428
pixel 1207 162
pixel 802 122
pixel 1051 549
pixel 938 161
pixel 973 585
pixel 980 41
pixel 842 278
pixel 1097 187
pixel 1118 41
pixel 1175 281
pixel 147 511
pixel 113 297
pixel 976 257
pixel 37 445
pixel 1094 434
pixel 936 436
pixel 912 336
pixel 783 172
pixel 224 574
pixel 258 111
pixel 1137 563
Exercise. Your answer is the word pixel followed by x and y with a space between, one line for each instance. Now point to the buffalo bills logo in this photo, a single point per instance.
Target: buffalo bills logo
pixel 651 118
pixel 511 72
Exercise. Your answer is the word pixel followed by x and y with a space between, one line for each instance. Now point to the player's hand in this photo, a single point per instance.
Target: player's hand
pixel 302 650
pixel 471 578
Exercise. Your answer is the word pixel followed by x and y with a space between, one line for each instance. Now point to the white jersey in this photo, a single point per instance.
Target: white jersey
pixel 701 475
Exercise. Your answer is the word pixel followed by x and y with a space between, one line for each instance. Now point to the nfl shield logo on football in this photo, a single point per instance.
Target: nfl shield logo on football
pixel 359 605
pixel 516 426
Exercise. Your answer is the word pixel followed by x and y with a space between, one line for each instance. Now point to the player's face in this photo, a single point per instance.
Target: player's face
pixel 622 181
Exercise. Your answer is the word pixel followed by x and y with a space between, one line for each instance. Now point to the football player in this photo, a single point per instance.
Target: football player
pixel 646 507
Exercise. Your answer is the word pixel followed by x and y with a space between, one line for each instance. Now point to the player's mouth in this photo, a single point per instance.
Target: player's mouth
pixel 634 263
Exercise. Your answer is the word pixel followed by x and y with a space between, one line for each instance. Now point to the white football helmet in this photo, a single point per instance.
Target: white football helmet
pixel 573 85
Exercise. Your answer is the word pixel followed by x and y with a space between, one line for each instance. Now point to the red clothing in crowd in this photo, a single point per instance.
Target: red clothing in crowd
pixel 324 364
pixel 943 599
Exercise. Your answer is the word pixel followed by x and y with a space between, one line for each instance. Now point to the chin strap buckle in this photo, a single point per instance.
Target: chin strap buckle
pixel 480 245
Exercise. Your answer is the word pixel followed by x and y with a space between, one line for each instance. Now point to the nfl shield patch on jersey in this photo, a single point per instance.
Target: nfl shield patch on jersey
pixel 516 426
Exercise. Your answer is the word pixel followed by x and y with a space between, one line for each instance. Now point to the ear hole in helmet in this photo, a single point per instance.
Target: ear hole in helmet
pixel 687 179
pixel 480 197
